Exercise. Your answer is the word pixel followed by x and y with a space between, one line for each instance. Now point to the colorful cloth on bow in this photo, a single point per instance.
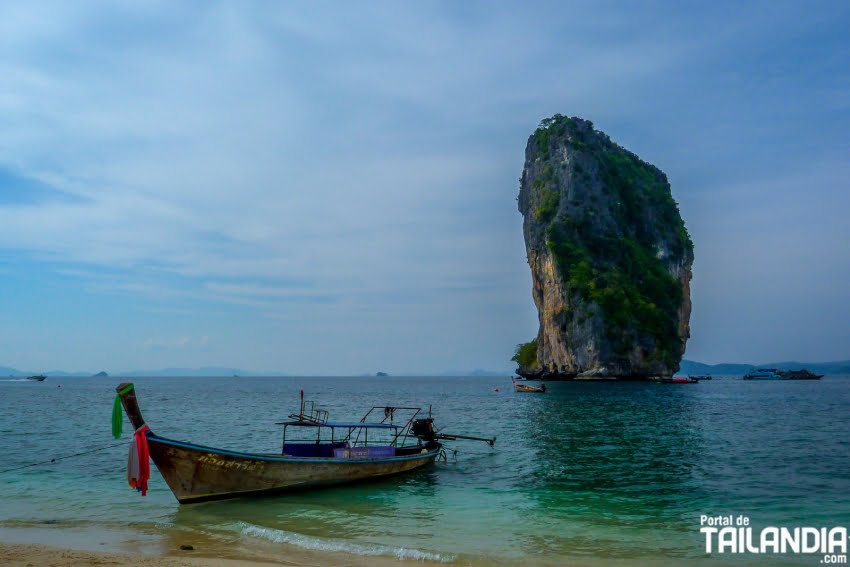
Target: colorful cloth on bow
pixel 138 461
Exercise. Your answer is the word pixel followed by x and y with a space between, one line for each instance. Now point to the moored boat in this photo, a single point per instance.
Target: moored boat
pixel 526 389
pixel 335 453
pixel 37 378
pixel 777 374
pixel 801 375
pixel 700 377
pixel 763 374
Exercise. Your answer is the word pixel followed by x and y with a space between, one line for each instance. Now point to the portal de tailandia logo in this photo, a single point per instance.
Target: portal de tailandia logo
pixel 733 534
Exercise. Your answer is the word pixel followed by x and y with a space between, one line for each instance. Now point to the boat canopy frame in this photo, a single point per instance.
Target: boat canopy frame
pixel 311 416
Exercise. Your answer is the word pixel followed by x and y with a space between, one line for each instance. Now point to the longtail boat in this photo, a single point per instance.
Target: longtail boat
pixel 335 453
pixel 526 389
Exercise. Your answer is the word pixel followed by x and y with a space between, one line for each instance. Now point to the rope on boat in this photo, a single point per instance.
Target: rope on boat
pixel 63 457
pixel 445 456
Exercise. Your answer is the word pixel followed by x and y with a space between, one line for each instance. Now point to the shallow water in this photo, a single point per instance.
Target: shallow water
pixel 587 473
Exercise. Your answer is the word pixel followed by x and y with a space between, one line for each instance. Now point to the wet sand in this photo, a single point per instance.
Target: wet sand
pixel 38 555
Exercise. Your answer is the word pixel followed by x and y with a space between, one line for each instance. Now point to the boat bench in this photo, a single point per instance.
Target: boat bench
pixel 313 449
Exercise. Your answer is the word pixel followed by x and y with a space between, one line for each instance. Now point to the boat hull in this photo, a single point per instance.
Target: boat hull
pixel 526 389
pixel 196 473
pixel 529 390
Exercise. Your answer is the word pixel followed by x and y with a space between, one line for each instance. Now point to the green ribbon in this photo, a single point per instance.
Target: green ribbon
pixel 117 420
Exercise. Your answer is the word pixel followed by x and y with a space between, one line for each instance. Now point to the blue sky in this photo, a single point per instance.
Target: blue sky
pixel 330 188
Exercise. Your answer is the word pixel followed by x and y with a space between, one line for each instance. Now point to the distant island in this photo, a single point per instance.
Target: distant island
pixel 101 374
pixel 381 374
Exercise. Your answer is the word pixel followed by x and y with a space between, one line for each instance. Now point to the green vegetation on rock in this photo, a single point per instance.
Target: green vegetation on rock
pixel 631 286
pixel 526 354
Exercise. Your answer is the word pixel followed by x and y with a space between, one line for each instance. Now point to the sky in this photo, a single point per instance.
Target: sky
pixel 330 188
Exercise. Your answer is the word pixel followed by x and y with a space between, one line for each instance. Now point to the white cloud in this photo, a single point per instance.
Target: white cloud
pixel 219 153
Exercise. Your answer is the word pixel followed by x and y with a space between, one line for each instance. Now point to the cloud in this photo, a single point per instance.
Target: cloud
pixel 324 162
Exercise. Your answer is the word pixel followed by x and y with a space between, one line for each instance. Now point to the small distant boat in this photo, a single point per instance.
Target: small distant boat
pixel 37 378
pixel 681 380
pixel 525 388
pixel 396 440
pixel 763 374
pixel 700 377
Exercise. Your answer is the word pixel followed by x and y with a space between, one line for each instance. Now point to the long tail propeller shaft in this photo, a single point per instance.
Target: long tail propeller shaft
pixel 450 437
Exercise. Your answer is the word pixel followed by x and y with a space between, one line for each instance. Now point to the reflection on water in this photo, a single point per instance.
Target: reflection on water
pixel 588 470
pixel 612 463
pixel 324 520
pixel 345 512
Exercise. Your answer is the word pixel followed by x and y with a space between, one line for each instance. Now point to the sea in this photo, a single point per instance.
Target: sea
pixel 590 473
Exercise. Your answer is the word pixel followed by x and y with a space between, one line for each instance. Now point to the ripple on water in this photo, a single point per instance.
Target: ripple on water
pixel 588 470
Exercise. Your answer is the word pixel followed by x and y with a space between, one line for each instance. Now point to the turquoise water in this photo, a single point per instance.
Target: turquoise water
pixel 589 473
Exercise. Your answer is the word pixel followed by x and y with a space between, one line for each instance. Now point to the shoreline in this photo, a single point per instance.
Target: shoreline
pixel 31 554
pixel 38 554
pixel 69 547
pixel 65 547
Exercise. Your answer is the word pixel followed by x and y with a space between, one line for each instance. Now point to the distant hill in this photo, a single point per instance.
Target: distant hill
pixel 687 367
pixel 477 372
pixel 835 367
pixel 206 371
pixel 9 371
pixel 72 374
pixel 100 374
pixel 692 367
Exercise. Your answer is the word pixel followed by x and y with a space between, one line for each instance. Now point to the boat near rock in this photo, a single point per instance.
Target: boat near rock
pixel 527 389
pixel 325 453
pixel 678 380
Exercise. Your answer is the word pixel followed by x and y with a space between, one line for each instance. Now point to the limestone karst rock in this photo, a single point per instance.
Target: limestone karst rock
pixel 609 254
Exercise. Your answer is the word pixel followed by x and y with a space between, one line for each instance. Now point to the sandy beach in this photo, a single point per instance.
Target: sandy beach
pixel 30 555
pixel 39 555
pixel 35 555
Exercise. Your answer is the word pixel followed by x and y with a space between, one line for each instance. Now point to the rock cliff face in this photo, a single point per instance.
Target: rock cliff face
pixel 610 258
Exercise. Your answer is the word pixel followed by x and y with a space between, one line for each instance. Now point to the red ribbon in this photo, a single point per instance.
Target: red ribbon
pixel 144 455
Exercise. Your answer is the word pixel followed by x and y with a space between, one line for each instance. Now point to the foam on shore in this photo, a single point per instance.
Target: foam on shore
pixel 321 544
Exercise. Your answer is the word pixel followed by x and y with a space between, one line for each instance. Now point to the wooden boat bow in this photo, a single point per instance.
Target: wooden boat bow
pixel 127 393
